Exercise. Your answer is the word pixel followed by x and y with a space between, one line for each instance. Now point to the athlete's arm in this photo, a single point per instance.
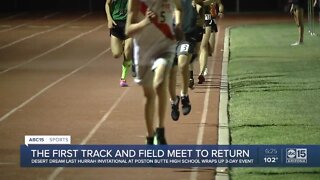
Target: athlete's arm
pixel 207 2
pixel 178 12
pixel 134 25
pixel 178 20
pixel 315 3
pixel 221 8
pixel 108 13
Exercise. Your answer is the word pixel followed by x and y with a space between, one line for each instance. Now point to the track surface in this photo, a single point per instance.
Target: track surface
pixel 58 77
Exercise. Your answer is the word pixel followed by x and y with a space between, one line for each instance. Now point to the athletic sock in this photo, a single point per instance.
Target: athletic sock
pixel 125 68
pixel 191 74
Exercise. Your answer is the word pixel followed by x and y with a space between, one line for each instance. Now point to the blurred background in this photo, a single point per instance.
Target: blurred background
pixel 236 6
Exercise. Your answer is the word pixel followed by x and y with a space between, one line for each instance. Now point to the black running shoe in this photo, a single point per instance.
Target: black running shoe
pixel 150 140
pixel 175 114
pixel 160 138
pixel 191 83
pixel 186 106
pixel 201 79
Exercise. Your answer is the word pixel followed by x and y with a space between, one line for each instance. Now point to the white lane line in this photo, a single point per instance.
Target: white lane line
pixel 194 172
pixel 43 32
pixel 12 28
pixel 14 16
pixel 223 131
pixel 58 170
pixel 51 85
pixel 51 15
pixel 21 25
pixel 51 50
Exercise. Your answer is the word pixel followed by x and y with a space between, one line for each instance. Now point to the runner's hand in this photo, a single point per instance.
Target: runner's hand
pixel 111 24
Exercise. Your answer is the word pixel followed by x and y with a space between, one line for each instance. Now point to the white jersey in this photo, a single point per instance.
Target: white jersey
pixel 157 37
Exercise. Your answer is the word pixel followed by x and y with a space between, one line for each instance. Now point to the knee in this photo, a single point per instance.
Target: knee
pixel 117 55
pixel 149 93
pixel 182 65
pixel 204 46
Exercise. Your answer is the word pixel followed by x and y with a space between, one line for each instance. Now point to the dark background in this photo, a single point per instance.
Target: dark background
pixel 97 5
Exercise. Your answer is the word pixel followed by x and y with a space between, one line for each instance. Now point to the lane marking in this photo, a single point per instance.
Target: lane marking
pixel 194 172
pixel 43 32
pixel 21 25
pixel 51 50
pixel 14 16
pixel 223 130
pixel 51 85
pixel 58 170
pixel 51 15
pixel 12 28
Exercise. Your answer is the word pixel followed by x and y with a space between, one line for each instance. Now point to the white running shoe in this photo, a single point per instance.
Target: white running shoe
pixel 296 43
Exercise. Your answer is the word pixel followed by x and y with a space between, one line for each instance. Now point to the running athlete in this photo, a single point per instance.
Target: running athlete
pixel 150 23
pixel 314 5
pixel 200 22
pixel 208 40
pixel 297 11
pixel 116 11
pixel 187 48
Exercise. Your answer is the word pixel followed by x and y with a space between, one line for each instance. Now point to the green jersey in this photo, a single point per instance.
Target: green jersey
pixel 119 9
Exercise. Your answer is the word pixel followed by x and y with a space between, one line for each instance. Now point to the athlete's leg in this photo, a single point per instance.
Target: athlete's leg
pixel 149 108
pixel 173 82
pixel 174 99
pixel 203 58
pixel 212 42
pixel 116 46
pixel 127 59
pixel 161 87
pixel 301 24
pixel 183 64
pixel 298 18
pixel 160 84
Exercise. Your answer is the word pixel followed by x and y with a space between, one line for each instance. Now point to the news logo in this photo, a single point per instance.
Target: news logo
pixel 296 155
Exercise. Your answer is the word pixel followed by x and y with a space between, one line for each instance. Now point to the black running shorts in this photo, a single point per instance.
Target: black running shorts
pixel 119 30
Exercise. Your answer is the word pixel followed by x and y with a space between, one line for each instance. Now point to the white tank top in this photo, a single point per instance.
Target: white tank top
pixel 157 37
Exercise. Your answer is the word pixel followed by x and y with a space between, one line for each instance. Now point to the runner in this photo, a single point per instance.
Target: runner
pixel 187 47
pixel 298 12
pixel 150 23
pixel 116 11
pixel 213 9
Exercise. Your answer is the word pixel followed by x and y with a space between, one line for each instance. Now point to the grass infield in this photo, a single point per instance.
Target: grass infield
pixel 274 92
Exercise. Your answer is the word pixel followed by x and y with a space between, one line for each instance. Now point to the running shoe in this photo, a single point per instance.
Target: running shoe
pixel 123 83
pixel 296 43
pixel 149 140
pixel 160 138
pixel 191 83
pixel 175 114
pixel 201 79
pixel 186 106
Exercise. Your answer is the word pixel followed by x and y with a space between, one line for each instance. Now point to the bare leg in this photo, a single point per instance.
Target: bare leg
pixel 204 47
pixel 149 109
pixel 183 64
pixel 212 42
pixel 116 47
pixel 161 87
pixel 173 82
